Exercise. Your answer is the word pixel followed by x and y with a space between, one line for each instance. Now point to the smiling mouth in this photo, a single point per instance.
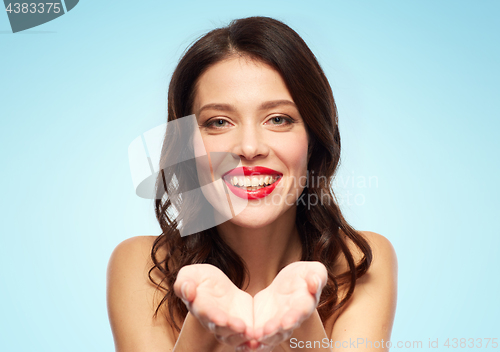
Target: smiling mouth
pixel 253 183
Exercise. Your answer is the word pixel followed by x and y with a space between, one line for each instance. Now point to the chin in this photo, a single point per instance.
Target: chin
pixel 253 219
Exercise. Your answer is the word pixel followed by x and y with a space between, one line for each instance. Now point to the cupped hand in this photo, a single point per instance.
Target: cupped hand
pixel 290 299
pixel 258 323
pixel 216 302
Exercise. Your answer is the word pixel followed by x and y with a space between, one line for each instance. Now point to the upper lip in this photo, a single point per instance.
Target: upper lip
pixel 251 171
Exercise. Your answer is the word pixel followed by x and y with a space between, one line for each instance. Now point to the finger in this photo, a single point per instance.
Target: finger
pixel 250 333
pixel 228 330
pixel 185 290
pixel 252 346
pixel 214 318
pixel 210 317
pixel 273 333
pixel 291 320
pixel 258 333
pixel 316 268
pixel 312 283
pixel 224 331
pixel 236 324
pixel 264 348
pixel 270 327
pixel 315 285
pixel 232 339
pixel 243 348
pixel 277 338
pixel 273 339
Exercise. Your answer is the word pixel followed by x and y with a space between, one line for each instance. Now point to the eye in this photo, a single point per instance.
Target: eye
pixel 281 120
pixel 216 123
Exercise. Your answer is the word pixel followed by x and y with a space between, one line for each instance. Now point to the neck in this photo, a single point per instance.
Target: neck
pixel 265 250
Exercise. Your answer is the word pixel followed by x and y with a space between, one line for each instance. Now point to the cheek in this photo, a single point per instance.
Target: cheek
pixel 198 145
pixel 216 143
pixel 215 158
pixel 293 152
pixel 202 155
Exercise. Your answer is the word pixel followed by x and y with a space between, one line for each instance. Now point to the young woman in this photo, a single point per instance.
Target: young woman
pixel 285 273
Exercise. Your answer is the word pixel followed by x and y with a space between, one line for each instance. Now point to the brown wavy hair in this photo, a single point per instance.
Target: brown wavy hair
pixel 323 230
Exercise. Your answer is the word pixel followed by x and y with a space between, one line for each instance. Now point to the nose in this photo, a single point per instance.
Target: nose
pixel 251 143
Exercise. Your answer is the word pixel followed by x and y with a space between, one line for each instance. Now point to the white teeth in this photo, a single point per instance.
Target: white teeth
pixel 255 181
pixel 241 181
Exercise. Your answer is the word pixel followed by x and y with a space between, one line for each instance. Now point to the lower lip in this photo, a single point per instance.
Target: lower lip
pixel 258 193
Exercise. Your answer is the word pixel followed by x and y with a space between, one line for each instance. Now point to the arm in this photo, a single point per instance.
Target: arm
pixel 369 314
pixel 194 337
pixel 311 330
pixel 131 305
pixel 285 312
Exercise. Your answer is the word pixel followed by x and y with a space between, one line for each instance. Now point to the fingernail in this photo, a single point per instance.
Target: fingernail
pixel 184 290
pixel 318 288
pixel 318 282
pixel 288 325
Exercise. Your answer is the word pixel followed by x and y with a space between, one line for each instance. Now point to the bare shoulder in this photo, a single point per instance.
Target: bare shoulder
pixel 383 253
pixel 134 245
pixel 383 270
pixel 130 260
pixel 132 298
pixel 371 308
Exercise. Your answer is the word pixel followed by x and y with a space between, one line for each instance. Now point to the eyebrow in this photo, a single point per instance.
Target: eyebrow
pixel 264 106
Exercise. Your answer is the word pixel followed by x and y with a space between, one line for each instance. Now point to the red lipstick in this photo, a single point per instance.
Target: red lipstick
pixel 244 192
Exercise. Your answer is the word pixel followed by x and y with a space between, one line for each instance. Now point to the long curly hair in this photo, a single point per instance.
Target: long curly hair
pixel 323 230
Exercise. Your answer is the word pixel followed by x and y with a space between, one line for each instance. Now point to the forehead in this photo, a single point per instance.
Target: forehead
pixel 240 81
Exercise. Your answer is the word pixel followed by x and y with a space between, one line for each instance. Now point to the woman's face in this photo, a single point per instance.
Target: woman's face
pixel 243 107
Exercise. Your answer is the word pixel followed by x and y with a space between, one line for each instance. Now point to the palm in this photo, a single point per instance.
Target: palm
pixel 288 301
pixel 217 303
pixel 263 321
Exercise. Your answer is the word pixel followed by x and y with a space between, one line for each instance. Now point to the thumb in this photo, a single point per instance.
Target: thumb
pixel 185 290
pixel 315 285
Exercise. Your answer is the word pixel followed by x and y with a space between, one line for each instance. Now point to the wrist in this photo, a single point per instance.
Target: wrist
pixel 195 337
pixel 310 330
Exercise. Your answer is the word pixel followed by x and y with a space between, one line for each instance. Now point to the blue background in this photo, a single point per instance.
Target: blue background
pixel 417 89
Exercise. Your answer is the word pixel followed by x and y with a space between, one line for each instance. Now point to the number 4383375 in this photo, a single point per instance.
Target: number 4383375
pixel 33 7
pixel 471 343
